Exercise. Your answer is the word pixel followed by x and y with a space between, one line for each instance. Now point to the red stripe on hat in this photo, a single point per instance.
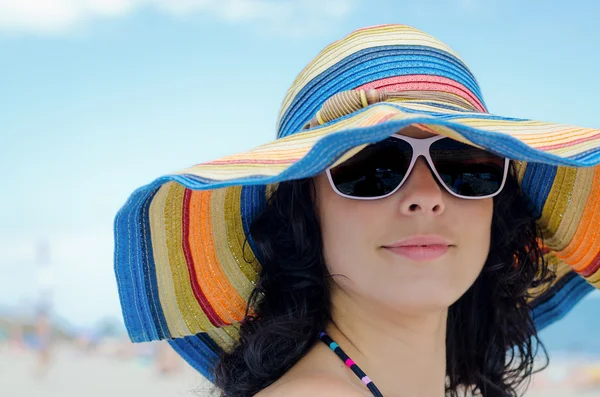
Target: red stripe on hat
pixel 210 312
pixel 249 161
pixel 591 268
pixel 571 142
pixel 423 82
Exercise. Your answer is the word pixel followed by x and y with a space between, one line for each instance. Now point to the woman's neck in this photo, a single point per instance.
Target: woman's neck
pixel 404 355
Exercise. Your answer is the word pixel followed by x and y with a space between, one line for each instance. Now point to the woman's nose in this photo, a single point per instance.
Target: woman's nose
pixel 421 193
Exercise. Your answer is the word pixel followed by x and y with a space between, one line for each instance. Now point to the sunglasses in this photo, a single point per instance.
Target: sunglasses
pixel 381 168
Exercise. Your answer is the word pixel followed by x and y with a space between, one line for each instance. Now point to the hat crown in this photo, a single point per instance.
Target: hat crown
pixel 384 57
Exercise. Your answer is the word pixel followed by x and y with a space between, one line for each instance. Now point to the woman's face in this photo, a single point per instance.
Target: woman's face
pixel 357 235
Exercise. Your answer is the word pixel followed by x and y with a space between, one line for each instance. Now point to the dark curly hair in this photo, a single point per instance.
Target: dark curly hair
pixel 491 338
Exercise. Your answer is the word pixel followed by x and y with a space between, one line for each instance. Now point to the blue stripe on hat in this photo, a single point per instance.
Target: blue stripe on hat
pixel 470 115
pixel 150 283
pixel 128 267
pixel 370 65
pixel 252 202
pixel 538 193
pixel 561 302
pixel 587 156
pixel 199 351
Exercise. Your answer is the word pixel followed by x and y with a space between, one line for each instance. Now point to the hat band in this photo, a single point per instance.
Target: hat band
pixel 347 102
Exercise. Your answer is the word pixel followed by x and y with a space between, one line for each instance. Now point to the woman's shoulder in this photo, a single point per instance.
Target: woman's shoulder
pixel 319 373
pixel 314 385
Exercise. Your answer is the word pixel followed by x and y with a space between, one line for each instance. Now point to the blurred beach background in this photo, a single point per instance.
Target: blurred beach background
pixel 98 97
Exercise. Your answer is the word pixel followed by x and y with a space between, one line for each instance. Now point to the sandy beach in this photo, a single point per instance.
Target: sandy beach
pixel 76 372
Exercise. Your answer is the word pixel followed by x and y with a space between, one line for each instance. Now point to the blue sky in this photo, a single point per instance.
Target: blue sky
pixel 98 97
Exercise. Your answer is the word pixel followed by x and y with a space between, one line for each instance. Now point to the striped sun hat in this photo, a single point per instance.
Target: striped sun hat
pixel 179 241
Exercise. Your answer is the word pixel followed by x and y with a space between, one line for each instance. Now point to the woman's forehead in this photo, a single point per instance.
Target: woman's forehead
pixel 416 131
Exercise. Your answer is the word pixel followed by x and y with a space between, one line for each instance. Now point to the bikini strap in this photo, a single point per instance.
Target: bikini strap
pixel 350 363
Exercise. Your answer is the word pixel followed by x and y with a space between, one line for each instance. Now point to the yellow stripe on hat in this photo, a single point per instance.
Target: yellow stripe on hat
pixel 228 252
pixel 594 279
pixel 193 315
pixel 569 220
pixel 556 266
pixel 236 236
pixel 225 337
pixel 164 278
pixel 556 201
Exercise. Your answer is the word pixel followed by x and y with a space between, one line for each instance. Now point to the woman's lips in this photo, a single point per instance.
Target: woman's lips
pixel 420 252
pixel 421 247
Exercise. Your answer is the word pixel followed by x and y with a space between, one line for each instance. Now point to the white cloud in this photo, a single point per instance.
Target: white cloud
pixel 56 15
pixel 61 16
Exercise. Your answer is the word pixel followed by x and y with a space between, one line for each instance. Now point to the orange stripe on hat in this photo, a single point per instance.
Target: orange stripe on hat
pixel 235 256
pixel 172 219
pixel 584 246
pixel 195 264
pixel 219 293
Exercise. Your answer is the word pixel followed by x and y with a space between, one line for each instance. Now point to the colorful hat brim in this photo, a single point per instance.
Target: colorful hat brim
pixel 184 273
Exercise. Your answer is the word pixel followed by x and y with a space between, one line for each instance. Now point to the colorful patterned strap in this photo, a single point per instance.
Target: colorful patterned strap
pixel 350 364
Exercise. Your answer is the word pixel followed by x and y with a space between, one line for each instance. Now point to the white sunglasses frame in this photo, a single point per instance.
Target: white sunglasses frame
pixel 420 147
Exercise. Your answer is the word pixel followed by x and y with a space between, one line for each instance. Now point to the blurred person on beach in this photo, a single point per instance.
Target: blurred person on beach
pixel 43 342
pixel 392 241
pixel 15 336
pixel 167 360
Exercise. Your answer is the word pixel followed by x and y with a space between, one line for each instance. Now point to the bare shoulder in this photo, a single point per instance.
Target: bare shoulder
pixel 317 385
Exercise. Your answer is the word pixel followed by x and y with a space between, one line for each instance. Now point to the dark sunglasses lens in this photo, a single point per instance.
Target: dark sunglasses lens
pixel 467 170
pixel 374 171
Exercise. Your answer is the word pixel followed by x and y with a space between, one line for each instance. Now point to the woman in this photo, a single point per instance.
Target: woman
pixel 396 239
